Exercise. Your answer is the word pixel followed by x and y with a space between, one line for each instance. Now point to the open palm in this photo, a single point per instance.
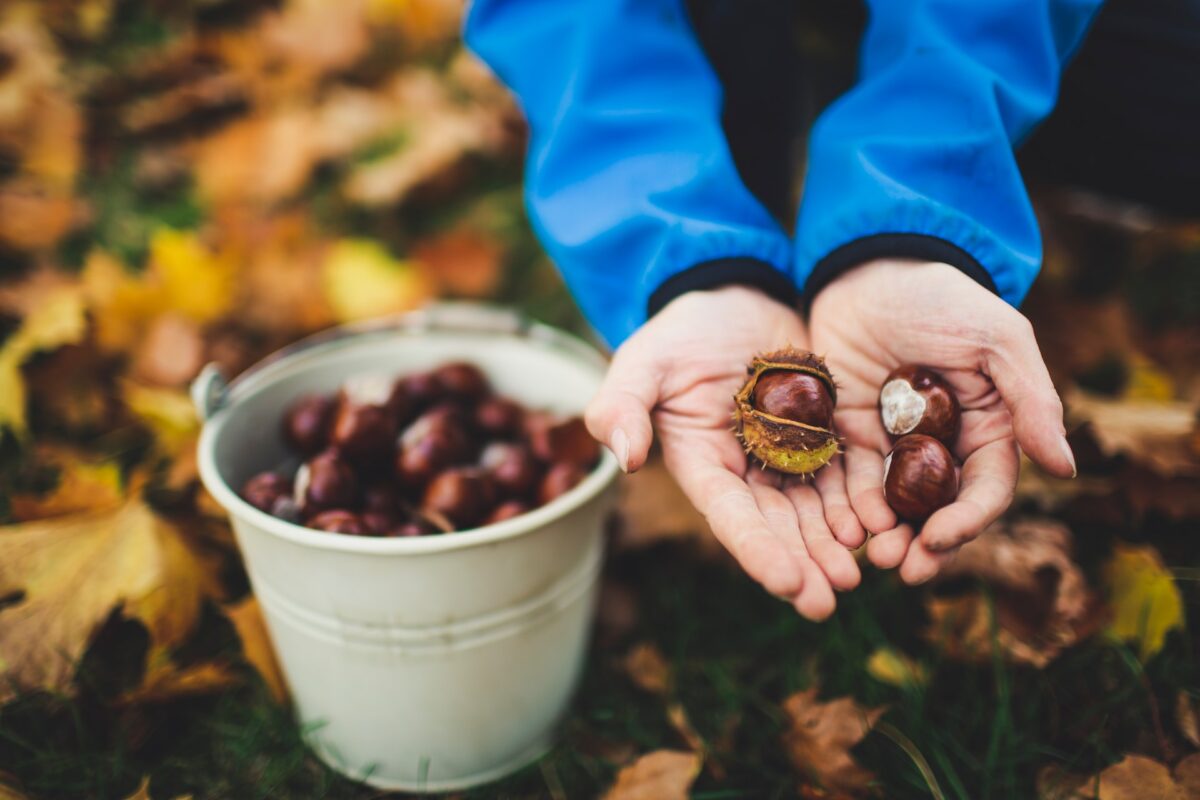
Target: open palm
pixel 888 313
pixel 683 368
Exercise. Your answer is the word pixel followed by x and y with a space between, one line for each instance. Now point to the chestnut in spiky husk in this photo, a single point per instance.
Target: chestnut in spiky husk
pixel 919 477
pixel 784 412
pixel 916 399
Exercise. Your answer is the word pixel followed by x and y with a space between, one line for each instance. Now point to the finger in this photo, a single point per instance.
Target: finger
pixel 830 484
pixel 886 550
pixel 864 484
pixel 730 509
pixel 815 599
pixel 989 478
pixel 619 414
pixel 831 556
pixel 921 564
pixel 1021 377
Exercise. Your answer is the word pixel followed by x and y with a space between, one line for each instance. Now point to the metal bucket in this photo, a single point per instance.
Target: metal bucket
pixel 431 663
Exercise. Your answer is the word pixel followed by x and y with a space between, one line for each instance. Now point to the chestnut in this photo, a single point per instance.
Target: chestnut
pixel 464 495
pixel 306 423
pixel 558 480
pixel 264 490
pixel 915 399
pixel 437 439
pixel 363 432
pixel 499 416
pixel 379 523
pixel 381 498
pixel 416 392
pixel 338 520
pixel 462 380
pixel 326 481
pixel 554 440
pixel 507 510
pixel 919 477
pixel 796 396
pixel 286 508
pixel 512 467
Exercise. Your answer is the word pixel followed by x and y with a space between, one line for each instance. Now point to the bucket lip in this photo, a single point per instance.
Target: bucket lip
pixel 600 478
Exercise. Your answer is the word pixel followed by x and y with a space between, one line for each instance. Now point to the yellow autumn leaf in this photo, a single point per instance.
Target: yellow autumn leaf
pixel 83 485
pixel 120 303
pixel 57 321
pixel 1144 598
pixel 69 573
pixel 197 282
pixel 168 413
pixel 363 280
pixel 1147 382
pixel 890 666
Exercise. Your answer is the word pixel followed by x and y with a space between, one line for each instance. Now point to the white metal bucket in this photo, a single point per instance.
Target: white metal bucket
pixel 432 663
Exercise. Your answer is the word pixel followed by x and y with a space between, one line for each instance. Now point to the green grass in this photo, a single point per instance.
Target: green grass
pixel 980 731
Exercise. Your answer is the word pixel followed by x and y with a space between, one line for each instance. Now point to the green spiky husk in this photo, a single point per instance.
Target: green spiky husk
pixel 783 444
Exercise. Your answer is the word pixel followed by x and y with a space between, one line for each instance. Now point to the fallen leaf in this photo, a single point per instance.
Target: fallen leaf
pixel 1153 434
pixel 362 281
pixel 168 413
pixel 1187 717
pixel 1144 597
pixel 1187 775
pixel 197 282
pixel 263 158
pixel 678 718
pixel 83 485
pixel 247 618
pixel 1135 778
pixel 167 682
pixel 59 320
pixel 1042 601
pixel 120 303
pixel 8 790
pixel 170 353
pixel 462 262
pixel 892 667
pixel 69 573
pixel 660 775
pixel 143 790
pixel 820 736
pixel 646 667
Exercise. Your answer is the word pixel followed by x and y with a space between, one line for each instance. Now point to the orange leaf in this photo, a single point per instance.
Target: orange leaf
pixel 660 775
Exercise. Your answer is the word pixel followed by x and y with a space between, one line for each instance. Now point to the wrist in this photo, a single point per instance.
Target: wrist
pixel 747 274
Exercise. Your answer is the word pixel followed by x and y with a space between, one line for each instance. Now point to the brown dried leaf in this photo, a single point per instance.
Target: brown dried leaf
pixel 678 718
pixel 1187 717
pixel 820 737
pixel 83 485
pixel 247 618
pixel 1153 434
pixel 166 682
pixel 462 262
pixel 1187 775
pixel 1136 778
pixel 1043 602
pixel 646 667
pixel 264 158
pixel 660 775
pixel 69 574
pixel 170 353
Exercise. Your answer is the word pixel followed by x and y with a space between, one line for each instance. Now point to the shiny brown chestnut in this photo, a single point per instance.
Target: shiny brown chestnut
pixel 556 439
pixel 326 481
pixel 507 510
pixel 379 523
pixel 462 380
pixel 464 495
pixel 915 399
pixel 437 439
pixel 363 432
pixel 919 477
pixel 417 391
pixel 558 480
pixel 306 423
pixel 499 416
pixel 265 489
pixel 796 396
pixel 512 467
pixel 338 520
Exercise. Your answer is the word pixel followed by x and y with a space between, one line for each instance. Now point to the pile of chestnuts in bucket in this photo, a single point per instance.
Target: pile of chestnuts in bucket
pixel 427 453
pixel 784 419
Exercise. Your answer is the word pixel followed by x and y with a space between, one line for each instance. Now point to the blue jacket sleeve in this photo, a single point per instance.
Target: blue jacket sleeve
pixel 629 181
pixel 917 159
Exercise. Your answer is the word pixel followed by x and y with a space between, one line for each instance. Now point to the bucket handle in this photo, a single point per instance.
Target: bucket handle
pixel 210 391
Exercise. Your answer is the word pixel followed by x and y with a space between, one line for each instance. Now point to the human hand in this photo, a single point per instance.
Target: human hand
pixel 889 312
pixel 682 368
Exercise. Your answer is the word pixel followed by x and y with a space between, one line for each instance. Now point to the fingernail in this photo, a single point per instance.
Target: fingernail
pixel 1069 455
pixel 619 443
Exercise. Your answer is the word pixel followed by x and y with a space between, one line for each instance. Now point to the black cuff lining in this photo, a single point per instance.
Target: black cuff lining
pixel 893 245
pixel 723 272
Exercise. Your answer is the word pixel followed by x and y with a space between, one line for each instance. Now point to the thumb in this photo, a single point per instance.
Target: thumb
pixel 1020 375
pixel 619 414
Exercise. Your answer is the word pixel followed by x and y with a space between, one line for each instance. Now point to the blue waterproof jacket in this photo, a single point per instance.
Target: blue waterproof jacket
pixel 630 183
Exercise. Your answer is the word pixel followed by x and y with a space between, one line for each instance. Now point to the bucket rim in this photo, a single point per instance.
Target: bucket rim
pixel 490 321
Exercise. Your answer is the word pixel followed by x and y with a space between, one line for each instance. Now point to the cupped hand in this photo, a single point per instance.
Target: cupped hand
pixel 682 369
pixel 889 312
